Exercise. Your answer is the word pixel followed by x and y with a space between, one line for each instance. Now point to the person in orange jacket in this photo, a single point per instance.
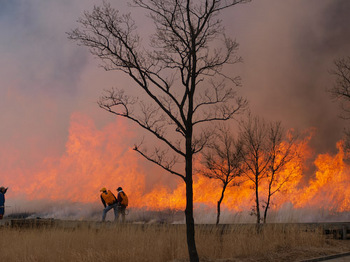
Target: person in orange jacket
pixel 109 201
pixel 123 202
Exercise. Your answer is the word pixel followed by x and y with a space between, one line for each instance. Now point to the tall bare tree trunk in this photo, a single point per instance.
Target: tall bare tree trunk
pixel 191 243
pixel 192 249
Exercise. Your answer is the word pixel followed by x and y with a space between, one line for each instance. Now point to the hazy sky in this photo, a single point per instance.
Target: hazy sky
pixel 47 81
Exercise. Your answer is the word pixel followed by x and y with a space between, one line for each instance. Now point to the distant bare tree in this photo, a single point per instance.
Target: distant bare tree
pixel 180 76
pixel 223 161
pixel 341 89
pixel 282 150
pixel 256 155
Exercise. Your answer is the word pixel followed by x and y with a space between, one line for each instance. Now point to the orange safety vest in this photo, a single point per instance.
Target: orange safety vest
pixel 124 198
pixel 109 198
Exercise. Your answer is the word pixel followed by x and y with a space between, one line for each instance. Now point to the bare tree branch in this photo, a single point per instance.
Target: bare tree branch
pixel 117 98
pixel 159 159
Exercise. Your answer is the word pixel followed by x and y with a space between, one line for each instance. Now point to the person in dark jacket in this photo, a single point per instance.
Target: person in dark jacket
pixel 2 201
pixel 109 201
pixel 122 203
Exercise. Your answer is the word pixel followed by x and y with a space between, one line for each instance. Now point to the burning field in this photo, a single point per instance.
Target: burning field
pixel 67 185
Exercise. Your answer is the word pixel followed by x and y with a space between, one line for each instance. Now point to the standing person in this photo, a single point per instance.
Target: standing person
pixel 122 203
pixel 2 201
pixel 109 201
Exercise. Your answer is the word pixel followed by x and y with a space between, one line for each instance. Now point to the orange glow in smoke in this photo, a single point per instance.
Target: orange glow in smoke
pixel 96 158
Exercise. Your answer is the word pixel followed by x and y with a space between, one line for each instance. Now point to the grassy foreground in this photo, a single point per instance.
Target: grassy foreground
pixel 130 242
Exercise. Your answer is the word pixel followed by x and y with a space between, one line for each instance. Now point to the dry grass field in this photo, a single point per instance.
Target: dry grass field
pixel 158 243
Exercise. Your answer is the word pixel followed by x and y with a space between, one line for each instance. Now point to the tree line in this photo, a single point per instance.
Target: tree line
pixel 260 152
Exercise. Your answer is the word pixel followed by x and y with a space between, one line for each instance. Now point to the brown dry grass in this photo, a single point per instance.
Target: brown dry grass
pixel 129 242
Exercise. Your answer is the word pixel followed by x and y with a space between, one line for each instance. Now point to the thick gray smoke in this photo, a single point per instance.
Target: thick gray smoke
pixel 288 48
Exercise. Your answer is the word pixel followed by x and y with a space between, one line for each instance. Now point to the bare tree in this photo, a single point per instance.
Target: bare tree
pixel 341 89
pixel 223 161
pixel 282 150
pixel 267 150
pixel 180 75
pixel 255 155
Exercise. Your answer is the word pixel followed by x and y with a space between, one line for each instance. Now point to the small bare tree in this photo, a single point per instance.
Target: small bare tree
pixel 256 155
pixel 341 90
pixel 282 150
pixel 223 161
pixel 180 76
pixel 267 151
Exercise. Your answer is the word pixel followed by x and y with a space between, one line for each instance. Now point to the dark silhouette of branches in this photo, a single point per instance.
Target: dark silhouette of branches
pixel 267 151
pixel 188 51
pixel 282 150
pixel 341 89
pixel 256 155
pixel 223 161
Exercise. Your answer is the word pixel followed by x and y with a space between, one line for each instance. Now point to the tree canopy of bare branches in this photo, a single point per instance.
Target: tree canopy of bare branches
pixel 180 74
pixel 282 150
pixel 267 149
pixel 256 155
pixel 223 161
pixel 341 89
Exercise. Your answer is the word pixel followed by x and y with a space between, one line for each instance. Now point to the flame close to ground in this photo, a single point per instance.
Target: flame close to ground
pixel 96 158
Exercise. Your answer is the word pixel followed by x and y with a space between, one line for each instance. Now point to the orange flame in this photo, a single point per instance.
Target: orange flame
pixel 330 187
pixel 96 158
